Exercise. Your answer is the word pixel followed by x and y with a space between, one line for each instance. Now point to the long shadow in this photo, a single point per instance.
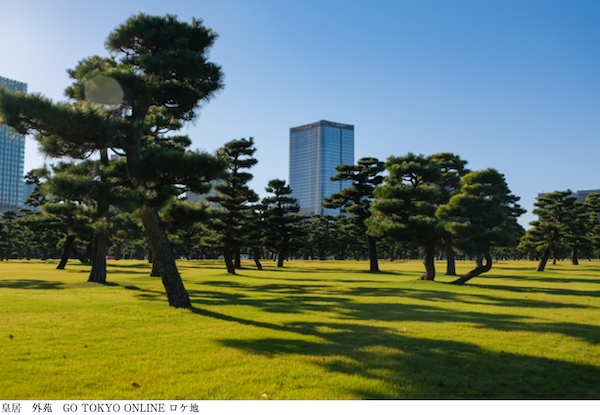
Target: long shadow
pixel 128 265
pixel 542 290
pixel 294 298
pixel 420 368
pixel 478 298
pixel 31 284
pixel 328 292
pixel 555 280
pixel 551 268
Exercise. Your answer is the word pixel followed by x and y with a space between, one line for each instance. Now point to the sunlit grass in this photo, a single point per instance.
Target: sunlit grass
pixel 314 330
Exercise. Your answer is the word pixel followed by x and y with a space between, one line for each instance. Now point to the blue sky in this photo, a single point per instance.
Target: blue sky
pixel 513 85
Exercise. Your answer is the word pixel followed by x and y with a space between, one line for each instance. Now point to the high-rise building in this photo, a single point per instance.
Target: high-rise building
pixel 315 151
pixel 12 158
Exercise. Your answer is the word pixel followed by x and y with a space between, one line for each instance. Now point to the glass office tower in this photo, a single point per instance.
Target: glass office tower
pixel 12 158
pixel 315 150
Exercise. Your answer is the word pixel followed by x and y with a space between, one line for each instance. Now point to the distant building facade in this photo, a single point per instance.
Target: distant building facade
pixel 315 151
pixel 13 190
pixel 202 198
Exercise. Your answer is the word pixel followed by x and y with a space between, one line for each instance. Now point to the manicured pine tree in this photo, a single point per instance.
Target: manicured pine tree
pixel 452 170
pixel 592 203
pixel 405 205
pixel 153 83
pixel 578 238
pixel 321 236
pixel 481 216
pixel 236 211
pixel 10 233
pixel 356 199
pixel 280 219
pixel 556 218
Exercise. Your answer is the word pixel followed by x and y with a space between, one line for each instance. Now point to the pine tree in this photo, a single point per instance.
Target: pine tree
pixel 405 205
pixel 482 215
pixel 356 199
pixel 556 220
pixel 236 211
pixel 153 83
pixel 280 219
pixel 452 170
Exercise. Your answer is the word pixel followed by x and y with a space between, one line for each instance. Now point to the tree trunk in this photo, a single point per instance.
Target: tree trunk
pixel 118 251
pixel 165 260
pixel 280 258
pixel 373 260
pixel 66 252
pixel 429 262
pixel 322 254
pixel 154 272
pixel 256 254
pixel 479 261
pixel 477 271
pixel 544 260
pixel 450 257
pixel 98 259
pixel 98 271
pixel 228 257
pixel 237 258
pixel 575 256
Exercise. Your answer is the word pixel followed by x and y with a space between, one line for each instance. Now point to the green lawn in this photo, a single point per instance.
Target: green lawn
pixel 314 330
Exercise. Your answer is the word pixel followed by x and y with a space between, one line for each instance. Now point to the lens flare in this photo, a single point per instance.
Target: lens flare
pixel 104 90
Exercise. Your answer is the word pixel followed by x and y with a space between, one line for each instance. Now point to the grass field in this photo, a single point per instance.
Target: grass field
pixel 314 330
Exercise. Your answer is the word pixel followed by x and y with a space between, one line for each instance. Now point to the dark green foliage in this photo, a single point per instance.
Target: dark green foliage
pixel 481 216
pixel 452 170
pixel 321 236
pixel 233 220
pixel 557 223
pixel 592 204
pixel 154 81
pixel 10 233
pixel 406 203
pixel 280 220
pixel 356 199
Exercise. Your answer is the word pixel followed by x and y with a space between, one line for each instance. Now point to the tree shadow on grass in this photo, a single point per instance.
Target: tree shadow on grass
pixel 561 279
pixel 542 290
pixel 420 368
pixel 31 284
pixel 292 298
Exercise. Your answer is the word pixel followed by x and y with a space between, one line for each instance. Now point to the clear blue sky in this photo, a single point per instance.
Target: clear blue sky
pixel 513 85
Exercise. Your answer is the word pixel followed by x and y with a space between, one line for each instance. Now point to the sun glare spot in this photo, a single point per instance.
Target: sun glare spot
pixel 104 90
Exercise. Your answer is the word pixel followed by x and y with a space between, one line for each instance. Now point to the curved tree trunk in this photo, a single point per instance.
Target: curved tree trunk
pixel 544 260
pixel 164 259
pixel 70 241
pixel 480 269
pixel 429 262
pixel 373 260
pixel 479 261
pixel 228 257
pixel 450 257
pixel 256 255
